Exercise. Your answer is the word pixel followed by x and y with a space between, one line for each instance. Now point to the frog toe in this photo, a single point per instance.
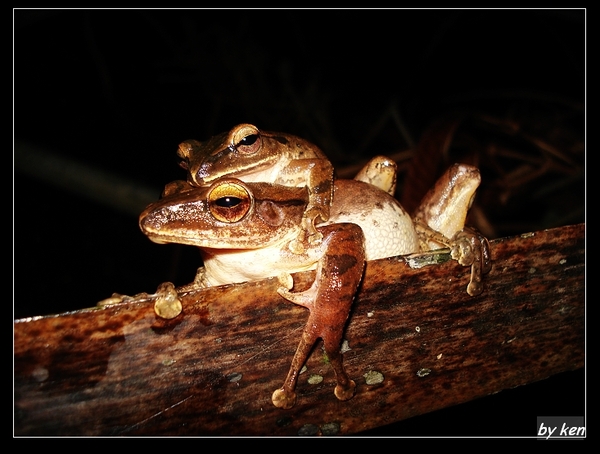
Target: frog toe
pixel 283 399
pixel 474 288
pixel 167 304
pixel 305 298
pixel 345 392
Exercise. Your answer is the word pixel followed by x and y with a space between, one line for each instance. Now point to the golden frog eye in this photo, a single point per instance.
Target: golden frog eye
pixel 247 139
pixel 229 202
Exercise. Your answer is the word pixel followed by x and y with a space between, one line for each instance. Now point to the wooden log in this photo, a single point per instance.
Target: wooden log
pixel 416 342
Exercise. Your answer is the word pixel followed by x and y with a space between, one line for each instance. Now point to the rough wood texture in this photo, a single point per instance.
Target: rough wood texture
pixel 123 371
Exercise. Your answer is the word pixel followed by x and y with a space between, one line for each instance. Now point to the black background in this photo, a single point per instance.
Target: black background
pixel 118 90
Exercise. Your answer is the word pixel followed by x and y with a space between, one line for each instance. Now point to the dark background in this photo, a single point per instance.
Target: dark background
pixel 118 90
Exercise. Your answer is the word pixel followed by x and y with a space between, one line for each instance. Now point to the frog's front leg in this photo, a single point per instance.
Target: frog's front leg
pixel 167 302
pixel 440 222
pixel 329 300
pixel 200 282
pixel 318 176
pixel 468 247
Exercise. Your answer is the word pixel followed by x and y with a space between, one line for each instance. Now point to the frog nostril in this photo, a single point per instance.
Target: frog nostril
pixel 203 172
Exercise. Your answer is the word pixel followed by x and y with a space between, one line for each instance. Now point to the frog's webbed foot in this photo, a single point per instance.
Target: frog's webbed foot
pixel 167 303
pixel 469 247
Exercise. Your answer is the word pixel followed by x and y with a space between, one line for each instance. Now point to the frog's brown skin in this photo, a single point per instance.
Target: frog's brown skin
pixel 181 216
pixel 270 220
pixel 329 301
pixel 253 155
pixel 186 216
pixel 440 222
pixel 235 223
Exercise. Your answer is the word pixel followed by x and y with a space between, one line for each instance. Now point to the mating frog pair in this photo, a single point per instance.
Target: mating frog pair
pixel 282 159
pixel 261 204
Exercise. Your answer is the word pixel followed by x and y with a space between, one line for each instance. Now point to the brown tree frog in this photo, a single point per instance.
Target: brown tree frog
pixel 287 191
pixel 253 155
pixel 236 224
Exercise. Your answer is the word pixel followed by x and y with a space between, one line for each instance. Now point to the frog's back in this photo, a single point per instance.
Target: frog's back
pixel 388 228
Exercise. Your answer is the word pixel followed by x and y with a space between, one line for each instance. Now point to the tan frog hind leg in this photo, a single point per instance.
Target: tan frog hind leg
pixel 440 222
pixel 329 301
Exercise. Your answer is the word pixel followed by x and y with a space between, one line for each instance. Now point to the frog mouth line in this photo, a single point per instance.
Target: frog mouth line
pixel 251 173
pixel 215 239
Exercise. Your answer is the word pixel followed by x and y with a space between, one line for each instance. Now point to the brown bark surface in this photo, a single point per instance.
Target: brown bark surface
pixel 417 343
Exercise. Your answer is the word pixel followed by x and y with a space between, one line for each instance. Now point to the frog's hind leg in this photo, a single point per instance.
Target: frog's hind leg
pixel 329 300
pixel 285 397
pixel 345 387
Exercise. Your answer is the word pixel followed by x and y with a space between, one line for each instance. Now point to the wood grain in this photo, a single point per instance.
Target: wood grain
pixel 211 371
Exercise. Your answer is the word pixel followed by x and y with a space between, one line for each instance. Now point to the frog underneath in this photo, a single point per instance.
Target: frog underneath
pixel 235 223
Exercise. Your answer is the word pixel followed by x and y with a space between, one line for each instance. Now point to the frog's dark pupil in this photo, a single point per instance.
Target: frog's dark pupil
pixel 249 140
pixel 228 202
